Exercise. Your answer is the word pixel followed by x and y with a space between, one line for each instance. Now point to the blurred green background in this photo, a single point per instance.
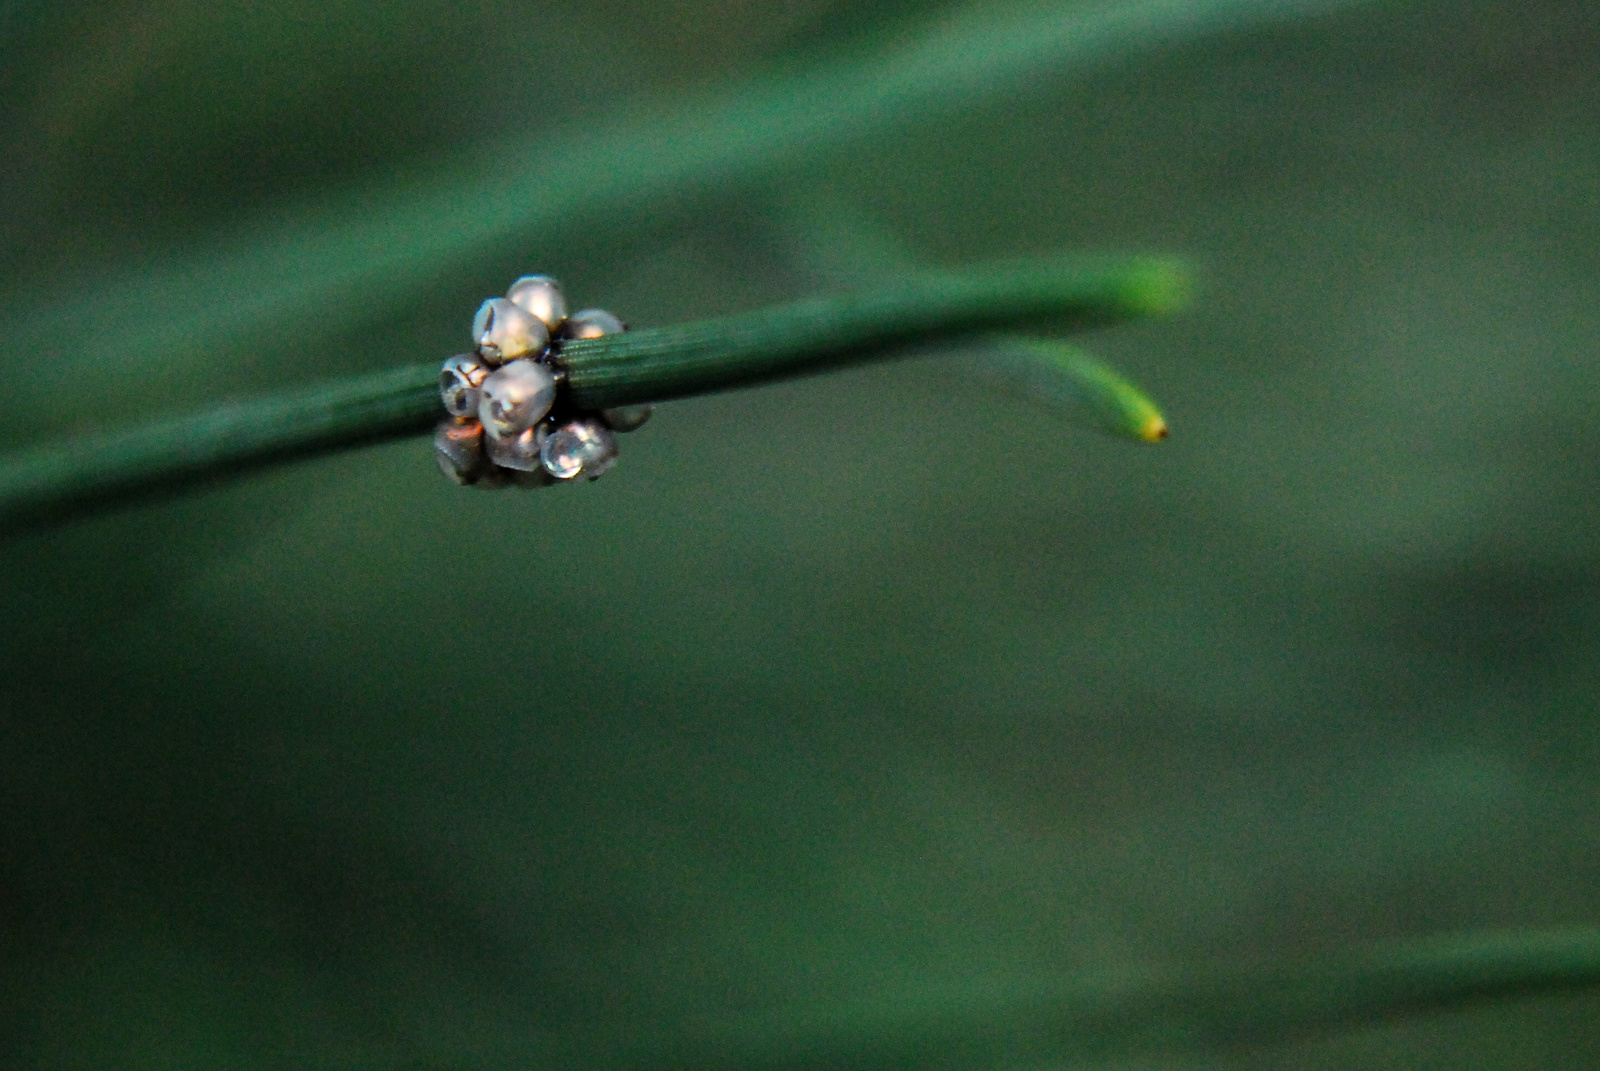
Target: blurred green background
pixel 874 691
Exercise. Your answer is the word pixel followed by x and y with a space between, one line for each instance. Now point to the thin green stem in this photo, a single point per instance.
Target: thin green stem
pixel 284 281
pixel 1103 1018
pixel 815 335
pixel 96 472
pixel 1061 375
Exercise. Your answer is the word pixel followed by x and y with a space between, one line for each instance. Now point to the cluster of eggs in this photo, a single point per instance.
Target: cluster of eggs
pixel 508 423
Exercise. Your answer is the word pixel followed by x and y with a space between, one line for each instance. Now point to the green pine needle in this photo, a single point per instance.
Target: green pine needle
pixel 287 279
pixel 1145 1013
pixel 1061 374
pixel 838 240
pixel 96 472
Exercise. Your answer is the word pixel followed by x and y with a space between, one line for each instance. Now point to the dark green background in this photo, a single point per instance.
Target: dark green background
pixel 872 691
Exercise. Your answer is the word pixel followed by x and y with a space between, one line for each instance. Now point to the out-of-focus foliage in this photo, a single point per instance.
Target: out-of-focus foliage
pixel 874 692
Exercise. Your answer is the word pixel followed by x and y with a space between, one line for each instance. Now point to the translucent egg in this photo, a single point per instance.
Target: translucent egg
pixel 581 448
pixel 519 451
pixel 504 331
pixel 627 417
pixel 459 381
pixel 516 397
pixel 592 323
pixel 458 447
pixel 541 296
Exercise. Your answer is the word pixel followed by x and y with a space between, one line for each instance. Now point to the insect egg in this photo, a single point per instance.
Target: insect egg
pixel 541 296
pixel 519 451
pixel 592 323
pixel 581 448
pixel 516 397
pixel 626 417
pixel 458 447
pixel 505 331
pixel 459 381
